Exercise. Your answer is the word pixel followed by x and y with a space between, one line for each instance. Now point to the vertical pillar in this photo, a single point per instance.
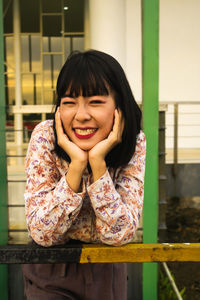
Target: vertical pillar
pixel 108 27
pixel 86 25
pixel 18 124
pixel 150 63
pixel 3 181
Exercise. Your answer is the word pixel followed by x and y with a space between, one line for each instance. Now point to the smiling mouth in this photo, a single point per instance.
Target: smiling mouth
pixel 84 133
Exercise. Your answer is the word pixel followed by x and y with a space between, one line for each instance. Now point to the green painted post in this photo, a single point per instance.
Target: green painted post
pixel 150 76
pixel 3 181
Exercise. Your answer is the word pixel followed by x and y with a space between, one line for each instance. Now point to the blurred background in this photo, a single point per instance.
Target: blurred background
pixel 38 37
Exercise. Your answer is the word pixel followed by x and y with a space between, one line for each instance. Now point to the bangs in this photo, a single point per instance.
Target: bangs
pixel 87 85
pixel 84 77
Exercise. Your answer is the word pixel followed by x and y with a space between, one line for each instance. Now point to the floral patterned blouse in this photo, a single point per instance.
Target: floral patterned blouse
pixel 103 212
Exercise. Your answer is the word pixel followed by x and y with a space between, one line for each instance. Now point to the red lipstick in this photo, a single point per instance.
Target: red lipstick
pixel 85 136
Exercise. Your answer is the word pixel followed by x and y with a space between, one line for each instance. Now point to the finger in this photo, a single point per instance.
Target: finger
pixel 119 120
pixel 116 121
pixel 120 125
pixel 58 121
pixel 59 127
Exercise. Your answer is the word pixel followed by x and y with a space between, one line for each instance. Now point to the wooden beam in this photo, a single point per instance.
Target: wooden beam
pixel 27 109
pixel 91 253
pixel 140 253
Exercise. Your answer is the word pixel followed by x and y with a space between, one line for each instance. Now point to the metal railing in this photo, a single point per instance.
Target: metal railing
pixel 183 132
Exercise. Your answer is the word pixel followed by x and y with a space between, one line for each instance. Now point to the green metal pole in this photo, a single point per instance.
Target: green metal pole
pixel 3 181
pixel 150 77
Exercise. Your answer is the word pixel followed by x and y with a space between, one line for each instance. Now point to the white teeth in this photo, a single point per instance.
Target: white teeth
pixel 84 131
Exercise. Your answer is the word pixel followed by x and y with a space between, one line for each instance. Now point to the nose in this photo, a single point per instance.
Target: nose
pixel 82 113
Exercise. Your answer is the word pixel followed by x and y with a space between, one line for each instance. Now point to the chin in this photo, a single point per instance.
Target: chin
pixel 85 148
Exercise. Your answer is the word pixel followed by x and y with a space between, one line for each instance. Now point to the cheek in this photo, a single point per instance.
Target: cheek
pixel 108 124
pixel 64 119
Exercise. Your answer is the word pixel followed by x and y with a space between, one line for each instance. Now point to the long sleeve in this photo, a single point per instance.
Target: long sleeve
pixel 118 205
pixel 51 205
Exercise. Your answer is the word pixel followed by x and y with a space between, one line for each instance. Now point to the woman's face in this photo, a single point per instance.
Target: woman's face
pixel 87 120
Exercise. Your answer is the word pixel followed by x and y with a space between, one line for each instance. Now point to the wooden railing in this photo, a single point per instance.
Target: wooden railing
pixel 92 253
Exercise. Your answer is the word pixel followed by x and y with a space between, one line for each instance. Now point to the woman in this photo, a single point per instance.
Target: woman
pixel 85 178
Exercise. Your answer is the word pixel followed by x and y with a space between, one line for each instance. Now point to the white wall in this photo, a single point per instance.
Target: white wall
pixel 179 49
pixel 133 47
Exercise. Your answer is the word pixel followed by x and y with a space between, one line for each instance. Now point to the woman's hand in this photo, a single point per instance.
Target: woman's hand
pixel 79 158
pixel 98 153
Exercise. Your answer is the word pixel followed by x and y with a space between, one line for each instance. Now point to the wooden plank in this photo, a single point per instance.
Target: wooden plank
pixel 140 253
pixel 27 109
pixel 91 253
pixel 35 254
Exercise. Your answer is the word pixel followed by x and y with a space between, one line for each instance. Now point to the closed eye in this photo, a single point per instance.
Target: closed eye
pixel 96 102
pixel 68 102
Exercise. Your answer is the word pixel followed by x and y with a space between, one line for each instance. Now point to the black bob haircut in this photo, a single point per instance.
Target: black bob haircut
pixel 92 73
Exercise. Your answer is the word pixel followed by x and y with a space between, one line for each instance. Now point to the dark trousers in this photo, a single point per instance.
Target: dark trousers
pixel 75 281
